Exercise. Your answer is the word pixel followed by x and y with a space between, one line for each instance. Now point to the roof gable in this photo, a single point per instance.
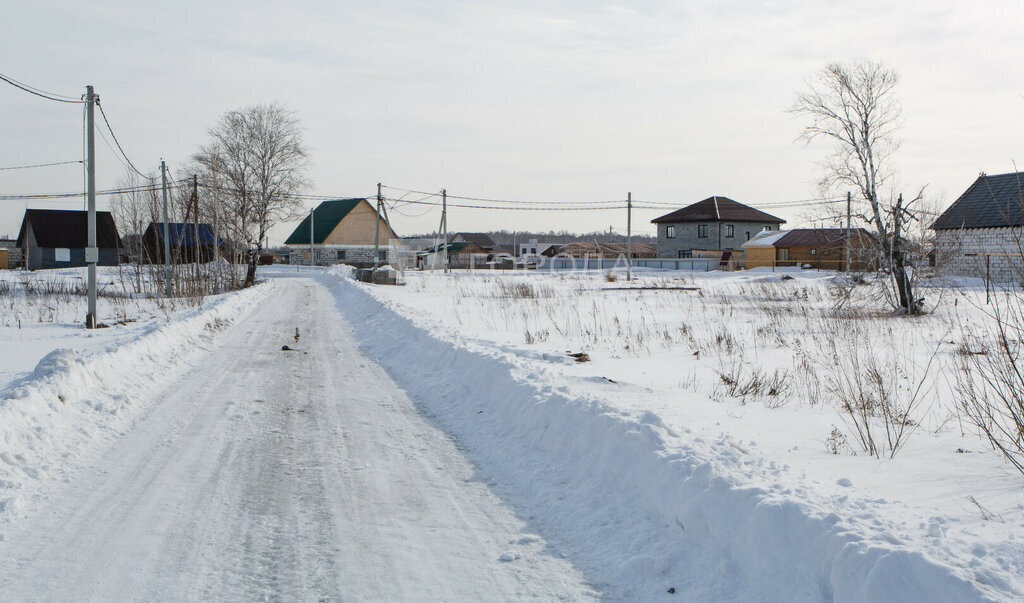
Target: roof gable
pixel 718 209
pixel 482 239
pixel 326 217
pixel 60 228
pixel 990 202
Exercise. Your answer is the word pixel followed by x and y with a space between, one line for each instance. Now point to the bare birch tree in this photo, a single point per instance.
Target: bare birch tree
pixel 257 163
pixel 854 106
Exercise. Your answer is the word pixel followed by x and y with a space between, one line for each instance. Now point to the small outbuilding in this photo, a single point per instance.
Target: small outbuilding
pixel 57 238
pixel 821 248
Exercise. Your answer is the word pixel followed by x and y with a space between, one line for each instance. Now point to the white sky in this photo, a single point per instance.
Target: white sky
pixel 540 101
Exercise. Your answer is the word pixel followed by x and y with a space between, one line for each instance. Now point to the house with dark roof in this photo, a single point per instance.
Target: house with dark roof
pixel 714 224
pixel 54 238
pixel 482 239
pixel 343 231
pixel 821 248
pixel 980 233
pixel 186 242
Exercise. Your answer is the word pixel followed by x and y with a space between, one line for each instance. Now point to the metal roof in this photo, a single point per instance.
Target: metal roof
pixel 59 228
pixel 991 202
pixel 182 233
pixel 325 218
pixel 718 209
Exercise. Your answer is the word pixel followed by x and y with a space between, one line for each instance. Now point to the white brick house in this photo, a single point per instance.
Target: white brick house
pixel 980 234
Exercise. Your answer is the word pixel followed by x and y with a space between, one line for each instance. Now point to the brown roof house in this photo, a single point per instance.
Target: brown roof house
pixel 481 239
pixel 55 238
pixel 343 231
pixel 715 224
pixel 821 248
pixel 981 232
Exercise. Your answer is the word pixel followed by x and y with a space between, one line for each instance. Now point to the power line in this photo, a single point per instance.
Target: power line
pixel 119 148
pixel 39 165
pixel 113 191
pixel 41 93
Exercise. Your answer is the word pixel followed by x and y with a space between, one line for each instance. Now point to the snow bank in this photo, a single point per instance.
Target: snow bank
pixel 637 505
pixel 74 399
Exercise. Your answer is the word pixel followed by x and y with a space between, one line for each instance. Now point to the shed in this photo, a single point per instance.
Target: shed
pixel 56 238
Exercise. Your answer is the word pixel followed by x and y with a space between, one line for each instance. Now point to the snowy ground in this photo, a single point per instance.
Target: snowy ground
pixel 671 470
pixel 182 454
pixel 194 459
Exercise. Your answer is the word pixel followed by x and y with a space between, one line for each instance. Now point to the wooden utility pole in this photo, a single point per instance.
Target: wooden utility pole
pixel 91 251
pixel 629 236
pixel 849 200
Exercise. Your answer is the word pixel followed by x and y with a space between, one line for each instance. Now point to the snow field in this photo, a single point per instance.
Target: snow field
pixel 645 469
pixel 77 397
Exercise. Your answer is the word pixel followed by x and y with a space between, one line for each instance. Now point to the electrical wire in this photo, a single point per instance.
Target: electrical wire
pixel 113 191
pixel 38 92
pixel 119 147
pixel 39 165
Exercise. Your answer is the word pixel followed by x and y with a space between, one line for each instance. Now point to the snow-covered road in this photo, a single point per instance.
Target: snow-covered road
pixel 286 475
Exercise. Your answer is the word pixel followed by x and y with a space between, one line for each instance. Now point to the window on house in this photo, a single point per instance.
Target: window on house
pixel 824 252
pixel 702 231
pixel 729 231
pixel 768 227
pixel 382 255
pixel 784 254
pixel 748 235
pixel 341 254
pixel 685 253
pixel 814 251
pixel 670 232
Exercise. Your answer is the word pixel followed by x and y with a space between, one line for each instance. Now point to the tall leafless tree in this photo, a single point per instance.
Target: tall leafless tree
pixel 854 106
pixel 257 163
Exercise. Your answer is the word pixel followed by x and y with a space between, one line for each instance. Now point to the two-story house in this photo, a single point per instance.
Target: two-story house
pixel 714 224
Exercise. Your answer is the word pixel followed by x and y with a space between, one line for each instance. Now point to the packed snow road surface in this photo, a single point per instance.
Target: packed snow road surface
pixel 287 475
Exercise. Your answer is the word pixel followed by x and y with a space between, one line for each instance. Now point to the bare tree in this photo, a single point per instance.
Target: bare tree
pixel 854 106
pixel 257 163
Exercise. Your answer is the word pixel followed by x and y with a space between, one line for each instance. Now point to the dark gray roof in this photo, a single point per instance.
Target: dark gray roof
pixel 480 238
pixel 718 209
pixel 68 228
pixel 991 202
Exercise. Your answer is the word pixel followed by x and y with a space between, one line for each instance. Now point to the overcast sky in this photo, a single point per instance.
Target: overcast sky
pixel 538 101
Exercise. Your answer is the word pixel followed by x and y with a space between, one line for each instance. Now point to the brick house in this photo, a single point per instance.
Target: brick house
pixel 343 232
pixel 714 224
pixel 980 233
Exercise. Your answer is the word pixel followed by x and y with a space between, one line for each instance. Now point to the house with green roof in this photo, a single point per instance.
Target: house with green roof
pixel 343 231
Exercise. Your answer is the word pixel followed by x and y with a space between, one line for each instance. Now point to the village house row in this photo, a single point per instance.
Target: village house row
pixel 979 234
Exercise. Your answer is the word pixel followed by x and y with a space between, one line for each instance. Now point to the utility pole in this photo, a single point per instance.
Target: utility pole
pixel 197 245
pixel 849 200
pixel 444 228
pixel 376 231
pixel 167 236
pixel 311 236
pixel 629 236
pixel 91 251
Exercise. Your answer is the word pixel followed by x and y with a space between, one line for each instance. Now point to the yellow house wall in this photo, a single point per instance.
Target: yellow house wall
pixel 757 257
pixel 357 228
